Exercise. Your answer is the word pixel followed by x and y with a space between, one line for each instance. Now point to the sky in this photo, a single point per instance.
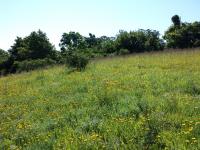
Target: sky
pixel 100 17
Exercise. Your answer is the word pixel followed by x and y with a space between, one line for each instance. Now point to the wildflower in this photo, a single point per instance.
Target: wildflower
pixel 94 136
pixel 85 140
pixel 158 136
pixel 19 126
pixel 193 138
pixel 191 122
pixel 190 129
pixel 187 141
pixel 197 123
pixel 147 129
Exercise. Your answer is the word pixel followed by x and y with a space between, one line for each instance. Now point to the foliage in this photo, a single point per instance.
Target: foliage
pixel 37 46
pixel 28 53
pixel 91 41
pixel 3 55
pixel 139 41
pixel 34 46
pixel 184 35
pixel 77 60
pixel 176 20
pixel 28 65
pixel 108 46
pixel 72 41
pixel 123 52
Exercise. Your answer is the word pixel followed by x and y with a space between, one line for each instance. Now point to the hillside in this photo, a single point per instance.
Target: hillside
pixel 146 101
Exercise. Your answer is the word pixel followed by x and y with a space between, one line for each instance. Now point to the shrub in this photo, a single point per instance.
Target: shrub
pixel 197 43
pixel 29 65
pixel 3 55
pixel 139 41
pixel 123 51
pixel 77 60
pixel 6 66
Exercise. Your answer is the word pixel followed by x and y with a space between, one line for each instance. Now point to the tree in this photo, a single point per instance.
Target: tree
pixel 72 41
pixel 3 55
pixel 39 46
pixel 153 41
pixel 34 46
pixel 19 49
pixel 186 35
pixel 91 41
pixel 176 20
pixel 5 62
pixel 139 41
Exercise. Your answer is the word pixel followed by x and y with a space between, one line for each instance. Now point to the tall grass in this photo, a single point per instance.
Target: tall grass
pixel 148 101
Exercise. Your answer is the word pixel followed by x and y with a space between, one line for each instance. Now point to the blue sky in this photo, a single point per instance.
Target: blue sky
pixel 100 17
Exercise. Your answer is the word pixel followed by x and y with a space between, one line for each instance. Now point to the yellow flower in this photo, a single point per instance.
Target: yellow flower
pixel 190 129
pixel 193 138
pixel 19 126
pixel 187 141
pixel 197 123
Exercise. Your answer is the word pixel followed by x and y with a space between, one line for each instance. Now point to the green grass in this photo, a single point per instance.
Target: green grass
pixel 147 101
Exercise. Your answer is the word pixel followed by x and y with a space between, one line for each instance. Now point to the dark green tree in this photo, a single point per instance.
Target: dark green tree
pixel 176 20
pixel 186 35
pixel 3 55
pixel 72 41
pixel 39 46
pixel 34 46
pixel 91 41
pixel 139 41
pixel 5 62
pixel 19 51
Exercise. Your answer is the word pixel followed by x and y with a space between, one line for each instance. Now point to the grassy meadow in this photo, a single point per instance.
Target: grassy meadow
pixel 145 101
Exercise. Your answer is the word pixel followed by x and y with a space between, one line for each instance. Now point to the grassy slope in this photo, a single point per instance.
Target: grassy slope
pixel 146 101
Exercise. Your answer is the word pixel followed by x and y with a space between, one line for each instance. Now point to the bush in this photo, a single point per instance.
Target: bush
pixel 29 65
pixel 185 35
pixel 77 60
pixel 123 51
pixel 139 41
pixel 6 66
pixel 197 43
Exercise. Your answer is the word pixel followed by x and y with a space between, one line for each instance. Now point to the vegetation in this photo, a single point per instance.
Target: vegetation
pixel 147 101
pixel 28 65
pixel 3 58
pixel 76 50
pixel 139 41
pixel 3 55
pixel 76 60
pixel 182 35
pixel 28 50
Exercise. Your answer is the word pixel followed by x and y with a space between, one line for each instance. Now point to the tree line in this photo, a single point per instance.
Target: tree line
pixel 35 50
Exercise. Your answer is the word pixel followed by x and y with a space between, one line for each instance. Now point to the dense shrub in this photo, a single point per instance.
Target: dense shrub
pixel 3 55
pixel 183 35
pixel 108 46
pixel 34 46
pixel 28 65
pixel 77 60
pixel 139 41
pixel 123 52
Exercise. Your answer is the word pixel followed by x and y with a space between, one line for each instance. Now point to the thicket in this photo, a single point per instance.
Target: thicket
pixel 33 51
pixel 182 35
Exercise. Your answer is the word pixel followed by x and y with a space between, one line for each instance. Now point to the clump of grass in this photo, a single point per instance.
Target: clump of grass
pixel 192 88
